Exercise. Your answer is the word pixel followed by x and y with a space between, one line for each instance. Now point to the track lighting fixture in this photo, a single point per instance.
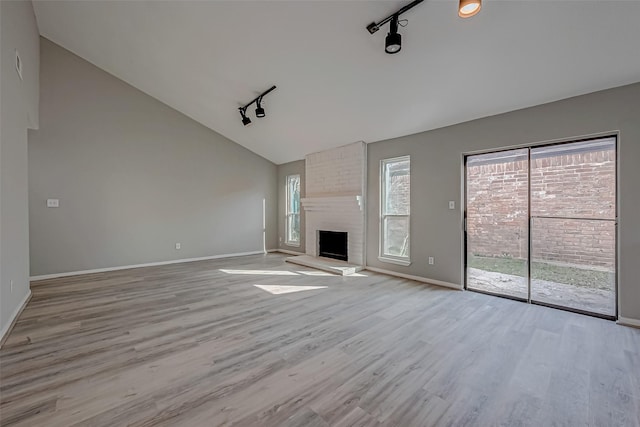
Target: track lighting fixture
pixel 259 109
pixel 393 41
pixel 468 8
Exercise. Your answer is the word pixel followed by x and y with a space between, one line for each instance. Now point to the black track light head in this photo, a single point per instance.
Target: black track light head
pixel 245 120
pixel 393 42
pixel 259 110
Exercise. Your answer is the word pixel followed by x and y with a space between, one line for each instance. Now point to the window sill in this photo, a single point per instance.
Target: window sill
pixel 295 245
pixel 398 261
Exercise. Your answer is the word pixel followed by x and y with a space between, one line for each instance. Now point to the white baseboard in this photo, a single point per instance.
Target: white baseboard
pixel 416 278
pixel 287 251
pixel 149 264
pixel 626 321
pixel 4 333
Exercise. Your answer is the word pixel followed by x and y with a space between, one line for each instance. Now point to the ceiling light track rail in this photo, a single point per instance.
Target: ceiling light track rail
pixel 375 26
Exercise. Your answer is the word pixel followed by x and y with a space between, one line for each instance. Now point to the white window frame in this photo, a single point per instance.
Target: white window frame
pixel 400 260
pixel 289 214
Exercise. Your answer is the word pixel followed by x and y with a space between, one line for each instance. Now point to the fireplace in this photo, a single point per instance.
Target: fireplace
pixel 333 244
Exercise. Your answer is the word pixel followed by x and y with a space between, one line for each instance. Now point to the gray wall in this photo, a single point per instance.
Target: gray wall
pixel 134 177
pixel 285 169
pixel 18 111
pixel 436 177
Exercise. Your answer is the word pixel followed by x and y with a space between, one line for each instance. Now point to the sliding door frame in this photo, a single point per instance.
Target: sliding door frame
pixel 613 134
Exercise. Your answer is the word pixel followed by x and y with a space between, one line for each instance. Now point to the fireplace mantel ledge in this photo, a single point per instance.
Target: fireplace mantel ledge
pixel 321 203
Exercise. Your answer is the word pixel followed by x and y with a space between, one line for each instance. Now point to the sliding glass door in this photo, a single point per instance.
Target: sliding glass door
pixel 541 225
pixel 497 207
pixel 573 225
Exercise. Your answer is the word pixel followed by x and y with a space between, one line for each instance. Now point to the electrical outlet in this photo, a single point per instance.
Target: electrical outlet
pixel 431 260
pixel 178 246
pixel 53 203
pixel 452 204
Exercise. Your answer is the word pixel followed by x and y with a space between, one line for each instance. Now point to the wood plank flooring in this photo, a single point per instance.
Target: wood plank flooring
pixel 198 344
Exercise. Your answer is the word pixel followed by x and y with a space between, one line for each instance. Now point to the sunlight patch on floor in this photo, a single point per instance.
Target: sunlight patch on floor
pixel 261 272
pixel 287 289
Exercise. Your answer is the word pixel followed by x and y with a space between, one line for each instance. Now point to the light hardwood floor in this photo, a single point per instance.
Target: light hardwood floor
pixel 199 344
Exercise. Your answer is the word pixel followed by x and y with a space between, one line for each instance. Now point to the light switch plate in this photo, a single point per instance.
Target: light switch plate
pixel 452 204
pixel 53 203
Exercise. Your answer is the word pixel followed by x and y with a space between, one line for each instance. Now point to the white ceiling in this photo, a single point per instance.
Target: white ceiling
pixel 335 83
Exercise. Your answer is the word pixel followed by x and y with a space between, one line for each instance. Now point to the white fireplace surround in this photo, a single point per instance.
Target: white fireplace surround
pixel 338 213
pixel 335 188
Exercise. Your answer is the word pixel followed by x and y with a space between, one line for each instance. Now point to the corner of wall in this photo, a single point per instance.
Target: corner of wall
pixel 18 112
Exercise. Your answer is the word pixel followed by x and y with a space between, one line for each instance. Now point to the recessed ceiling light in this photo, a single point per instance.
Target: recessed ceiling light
pixel 468 8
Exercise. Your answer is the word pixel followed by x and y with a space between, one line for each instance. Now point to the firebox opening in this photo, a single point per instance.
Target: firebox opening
pixel 333 244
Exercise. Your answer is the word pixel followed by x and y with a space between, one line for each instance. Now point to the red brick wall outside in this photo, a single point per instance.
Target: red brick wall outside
pixel 574 185
pixel 397 229
pixel 398 194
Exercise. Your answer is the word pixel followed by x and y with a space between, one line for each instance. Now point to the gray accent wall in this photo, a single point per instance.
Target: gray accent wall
pixel 134 177
pixel 291 168
pixel 18 112
pixel 437 177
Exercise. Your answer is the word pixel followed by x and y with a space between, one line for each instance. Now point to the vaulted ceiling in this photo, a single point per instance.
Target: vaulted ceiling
pixel 335 83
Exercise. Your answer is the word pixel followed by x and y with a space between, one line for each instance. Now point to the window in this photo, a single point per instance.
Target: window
pixel 293 210
pixel 395 184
